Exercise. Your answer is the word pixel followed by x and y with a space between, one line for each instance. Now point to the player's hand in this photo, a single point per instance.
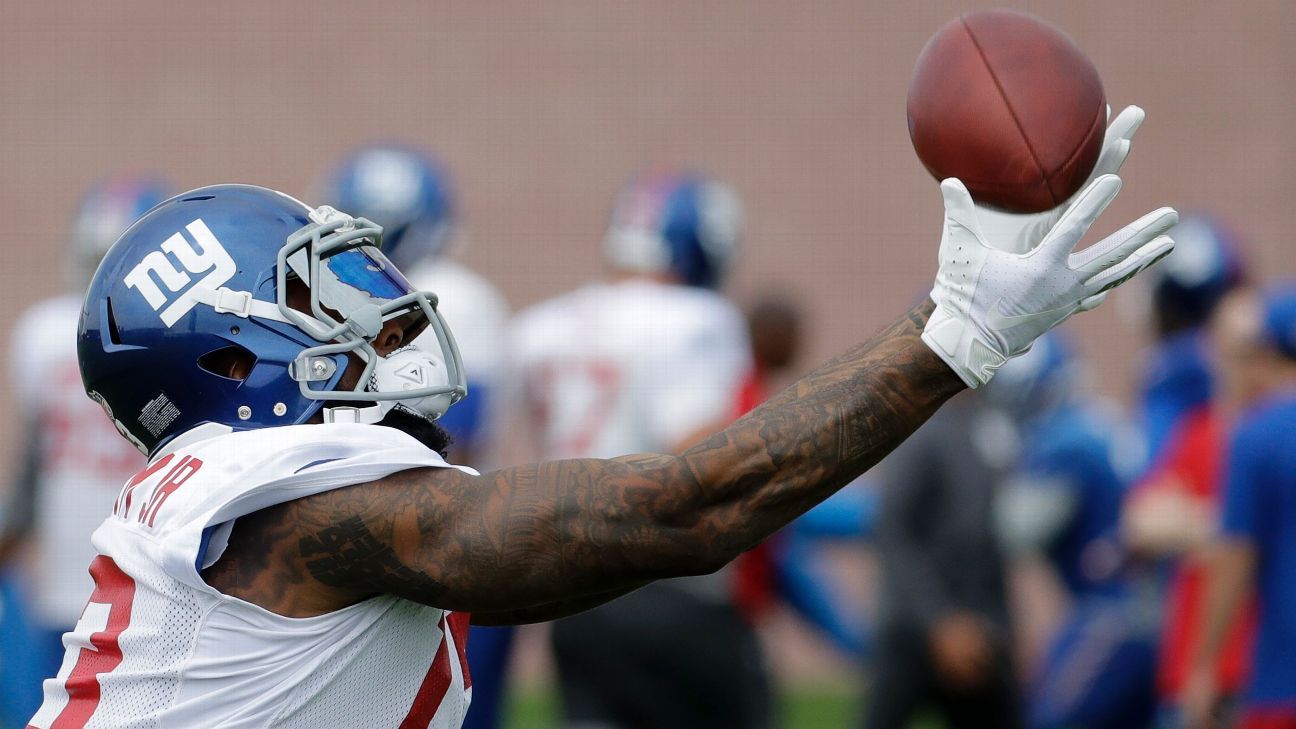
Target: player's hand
pixel 991 304
pixel 960 650
pixel 1199 700
pixel 1165 519
pixel 1017 233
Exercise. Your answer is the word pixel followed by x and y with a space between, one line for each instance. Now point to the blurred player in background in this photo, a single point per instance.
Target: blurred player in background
pixel 788 567
pixel 1171 513
pixel 1255 549
pixel 73 461
pixel 944 636
pixel 650 360
pixel 1178 380
pixel 1063 503
pixel 411 196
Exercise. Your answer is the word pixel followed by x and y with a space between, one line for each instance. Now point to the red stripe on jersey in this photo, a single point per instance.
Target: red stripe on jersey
pixel 434 687
pixel 116 589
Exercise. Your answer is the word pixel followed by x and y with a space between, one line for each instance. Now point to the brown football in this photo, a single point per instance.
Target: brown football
pixel 1011 106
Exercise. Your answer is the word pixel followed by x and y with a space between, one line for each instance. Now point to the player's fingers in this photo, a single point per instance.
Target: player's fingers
pixel 1081 214
pixel 1120 245
pixel 1092 302
pixel 1112 157
pixel 1149 254
pixel 1116 140
pixel 959 208
pixel 1126 123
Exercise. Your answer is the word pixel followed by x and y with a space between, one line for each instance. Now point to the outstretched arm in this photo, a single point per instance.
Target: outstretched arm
pixel 533 537
pixel 543 540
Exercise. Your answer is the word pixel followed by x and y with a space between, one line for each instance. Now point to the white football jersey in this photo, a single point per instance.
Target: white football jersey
pixel 629 367
pixel 157 647
pixel 82 461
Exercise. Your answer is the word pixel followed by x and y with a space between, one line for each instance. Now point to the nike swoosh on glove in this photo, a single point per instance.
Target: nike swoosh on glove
pixel 992 304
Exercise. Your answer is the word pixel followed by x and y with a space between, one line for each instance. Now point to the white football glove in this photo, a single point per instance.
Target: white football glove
pixel 1019 233
pixel 992 304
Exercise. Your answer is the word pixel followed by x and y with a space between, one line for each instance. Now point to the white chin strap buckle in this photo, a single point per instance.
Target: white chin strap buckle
pixel 410 368
pixel 367 415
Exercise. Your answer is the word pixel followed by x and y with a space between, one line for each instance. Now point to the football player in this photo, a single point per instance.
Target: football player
pixel 1170 514
pixel 410 195
pixel 73 461
pixel 944 632
pixel 1254 552
pixel 1063 503
pixel 789 566
pixel 1177 381
pixel 649 361
pixel 297 552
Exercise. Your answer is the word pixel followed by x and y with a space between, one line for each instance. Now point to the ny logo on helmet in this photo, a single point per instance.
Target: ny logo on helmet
pixel 156 268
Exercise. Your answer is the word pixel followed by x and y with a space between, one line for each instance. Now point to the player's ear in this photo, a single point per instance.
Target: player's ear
pixel 232 362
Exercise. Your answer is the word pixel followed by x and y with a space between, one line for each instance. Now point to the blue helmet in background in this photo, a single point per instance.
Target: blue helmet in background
pixel 1039 380
pixel 1205 265
pixel 1278 323
pixel 678 223
pixel 401 189
pixel 207 277
pixel 106 211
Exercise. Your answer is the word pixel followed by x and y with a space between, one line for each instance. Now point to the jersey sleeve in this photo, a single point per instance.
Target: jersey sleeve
pixel 699 370
pixel 220 480
pixel 1244 484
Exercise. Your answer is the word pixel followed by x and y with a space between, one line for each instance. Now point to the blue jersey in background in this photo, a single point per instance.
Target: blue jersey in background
pixel 1098 670
pixel 1081 452
pixel 1178 381
pixel 1260 507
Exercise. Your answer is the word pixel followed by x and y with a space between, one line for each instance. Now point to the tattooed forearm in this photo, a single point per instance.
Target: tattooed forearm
pixel 547 537
pixel 820 433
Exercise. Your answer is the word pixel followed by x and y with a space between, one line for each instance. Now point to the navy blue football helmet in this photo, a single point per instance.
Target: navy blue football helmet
pixel 401 189
pixel 1205 264
pixel 211 272
pixel 107 209
pixel 1278 328
pixel 678 223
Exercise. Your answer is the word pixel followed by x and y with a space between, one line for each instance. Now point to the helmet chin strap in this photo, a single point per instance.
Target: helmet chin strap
pixel 407 368
pixel 367 415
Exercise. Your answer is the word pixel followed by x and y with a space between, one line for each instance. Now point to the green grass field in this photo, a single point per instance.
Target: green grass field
pixel 800 709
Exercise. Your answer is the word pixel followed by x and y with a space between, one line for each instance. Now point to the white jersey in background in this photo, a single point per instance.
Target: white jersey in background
pixel 158 647
pixel 81 461
pixel 629 367
pixel 476 314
